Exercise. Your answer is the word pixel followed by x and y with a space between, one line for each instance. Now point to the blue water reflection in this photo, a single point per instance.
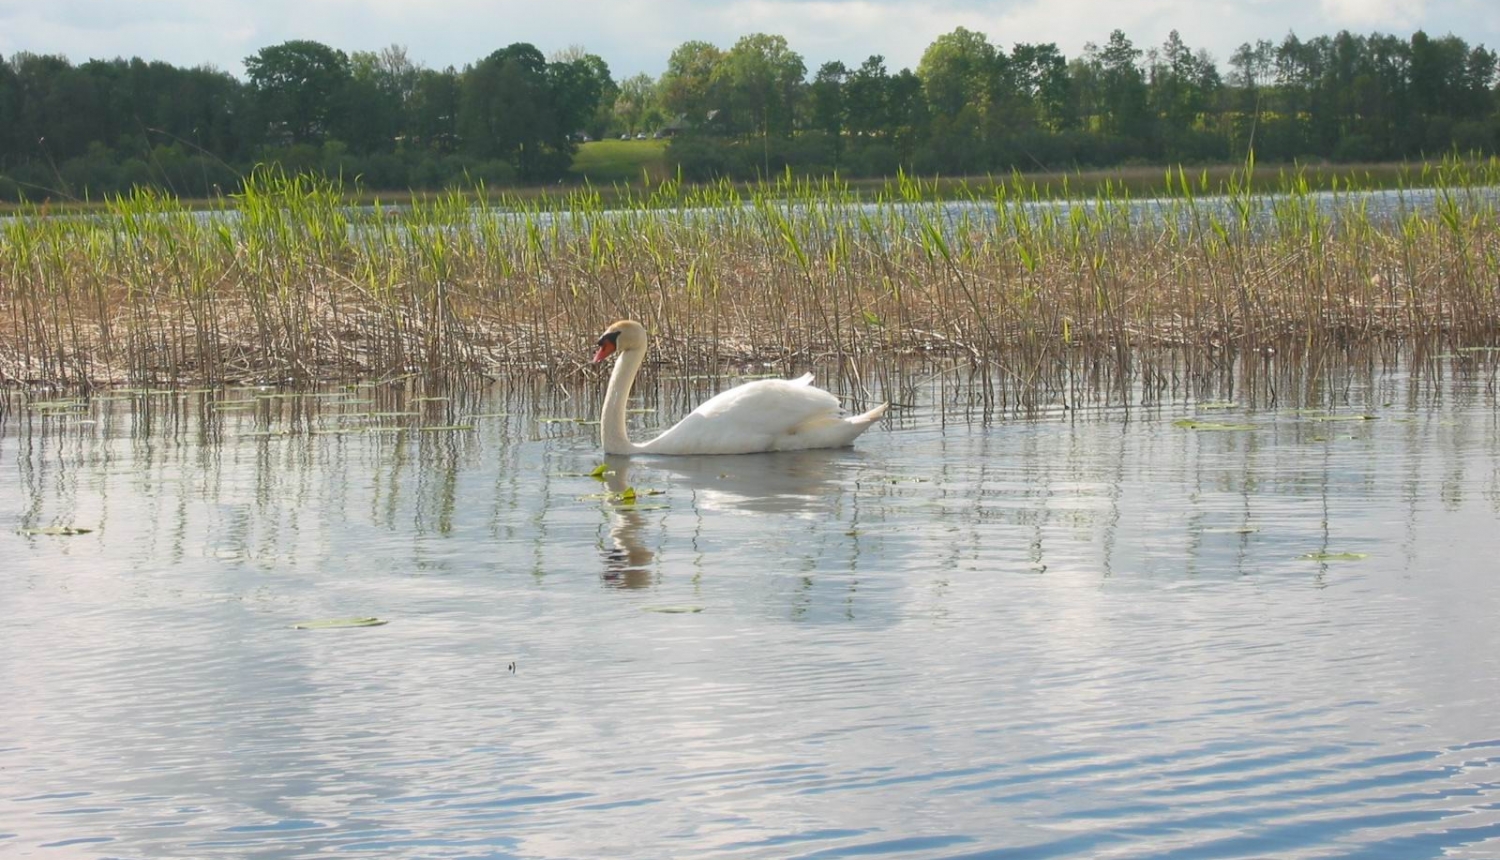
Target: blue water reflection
pixel 1083 634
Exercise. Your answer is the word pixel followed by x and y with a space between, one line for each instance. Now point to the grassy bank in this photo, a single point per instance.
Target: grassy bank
pixel 288 283
pixel 621 162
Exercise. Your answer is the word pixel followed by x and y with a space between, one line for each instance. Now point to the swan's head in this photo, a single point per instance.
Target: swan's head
pixel 623 336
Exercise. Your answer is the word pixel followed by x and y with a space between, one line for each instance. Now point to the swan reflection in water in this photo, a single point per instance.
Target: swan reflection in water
pixel 799 483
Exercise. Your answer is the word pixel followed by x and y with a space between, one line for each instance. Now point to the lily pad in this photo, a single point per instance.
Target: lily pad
pixel 57 531
pixel 339 623
pixel 1334 556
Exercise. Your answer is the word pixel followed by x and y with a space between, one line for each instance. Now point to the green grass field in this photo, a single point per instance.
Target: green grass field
pixel 605 162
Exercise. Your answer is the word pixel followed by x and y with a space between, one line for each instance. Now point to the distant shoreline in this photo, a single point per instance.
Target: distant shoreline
pixel 1137 180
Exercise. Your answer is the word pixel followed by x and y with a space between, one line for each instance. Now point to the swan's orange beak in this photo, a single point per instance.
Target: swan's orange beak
pixel 606 346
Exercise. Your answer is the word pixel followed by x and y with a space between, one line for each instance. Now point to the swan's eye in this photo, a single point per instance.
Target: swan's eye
pixel 609 337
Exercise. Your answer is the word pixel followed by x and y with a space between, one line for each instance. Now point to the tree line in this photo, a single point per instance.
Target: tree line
pixel 517 116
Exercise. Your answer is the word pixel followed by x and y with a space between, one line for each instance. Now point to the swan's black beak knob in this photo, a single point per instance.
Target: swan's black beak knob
pixel 606 346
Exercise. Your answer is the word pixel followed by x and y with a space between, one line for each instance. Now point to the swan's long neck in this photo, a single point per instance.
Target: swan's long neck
pixel 612 421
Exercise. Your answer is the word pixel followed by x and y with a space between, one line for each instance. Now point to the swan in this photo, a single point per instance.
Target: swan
pixel 765 415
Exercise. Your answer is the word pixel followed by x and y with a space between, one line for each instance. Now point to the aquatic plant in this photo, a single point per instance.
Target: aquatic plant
pixel 288 281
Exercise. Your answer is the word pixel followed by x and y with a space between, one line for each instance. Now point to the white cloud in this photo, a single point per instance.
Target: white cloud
pixel 1374 14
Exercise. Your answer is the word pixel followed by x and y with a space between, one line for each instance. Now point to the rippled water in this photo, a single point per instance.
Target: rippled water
pixel 1085 634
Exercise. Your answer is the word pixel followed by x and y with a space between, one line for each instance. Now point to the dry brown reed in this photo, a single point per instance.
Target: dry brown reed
pixel 289 283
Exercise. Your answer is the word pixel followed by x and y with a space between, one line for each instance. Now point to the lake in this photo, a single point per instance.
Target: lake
pixel 1245 626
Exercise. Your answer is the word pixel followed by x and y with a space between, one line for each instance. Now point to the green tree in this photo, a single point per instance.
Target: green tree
pixel 958 70
pixel 433 111
pixel 507 110
pixel 762 79
pixel 10 111
pixel 371 106
pixel 297 85
pixel 826 98
pixel 1123 88
pixel 690 85
pixel 826 106
pixel 582 91
pixel 867 99
pixel 636 102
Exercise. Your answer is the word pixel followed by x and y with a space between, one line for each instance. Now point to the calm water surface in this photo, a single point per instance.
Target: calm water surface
pixel 1084 634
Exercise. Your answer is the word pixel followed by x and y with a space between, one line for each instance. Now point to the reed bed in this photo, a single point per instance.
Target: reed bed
pixel 290 283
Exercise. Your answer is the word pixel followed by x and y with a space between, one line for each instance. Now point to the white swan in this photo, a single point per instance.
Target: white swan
pixel 766 415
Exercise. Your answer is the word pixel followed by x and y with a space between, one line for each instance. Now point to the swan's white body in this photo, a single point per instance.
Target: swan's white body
pixel 766 415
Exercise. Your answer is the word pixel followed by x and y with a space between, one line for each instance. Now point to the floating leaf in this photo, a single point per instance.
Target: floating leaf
pixel 1342 417
pixel 339 623
pixel 1231 530
pixel 599 471
pixel 437 428
pixel 1194 424
pixel 673 610
pixel 56 530
pixel 340 431
pixel 1334 556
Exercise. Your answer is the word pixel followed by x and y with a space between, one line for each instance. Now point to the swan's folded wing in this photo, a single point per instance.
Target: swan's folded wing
pixel 749 417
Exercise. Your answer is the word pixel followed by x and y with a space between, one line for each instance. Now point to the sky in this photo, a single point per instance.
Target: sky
pixel 635 36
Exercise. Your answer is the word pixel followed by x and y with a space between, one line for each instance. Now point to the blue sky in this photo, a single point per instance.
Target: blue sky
pixel 638 35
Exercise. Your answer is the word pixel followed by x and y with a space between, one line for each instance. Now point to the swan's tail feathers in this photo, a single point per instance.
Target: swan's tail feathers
pixel 804 379
pixel 857 424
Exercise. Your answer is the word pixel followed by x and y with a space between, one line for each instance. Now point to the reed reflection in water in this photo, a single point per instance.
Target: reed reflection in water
pixel 1097 631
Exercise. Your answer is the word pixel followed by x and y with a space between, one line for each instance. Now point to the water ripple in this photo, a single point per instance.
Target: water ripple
pixel 1088 637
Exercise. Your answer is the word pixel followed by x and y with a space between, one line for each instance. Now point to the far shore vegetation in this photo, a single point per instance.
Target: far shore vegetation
pixel 355 216
pixel 618 174
pixel 750 113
